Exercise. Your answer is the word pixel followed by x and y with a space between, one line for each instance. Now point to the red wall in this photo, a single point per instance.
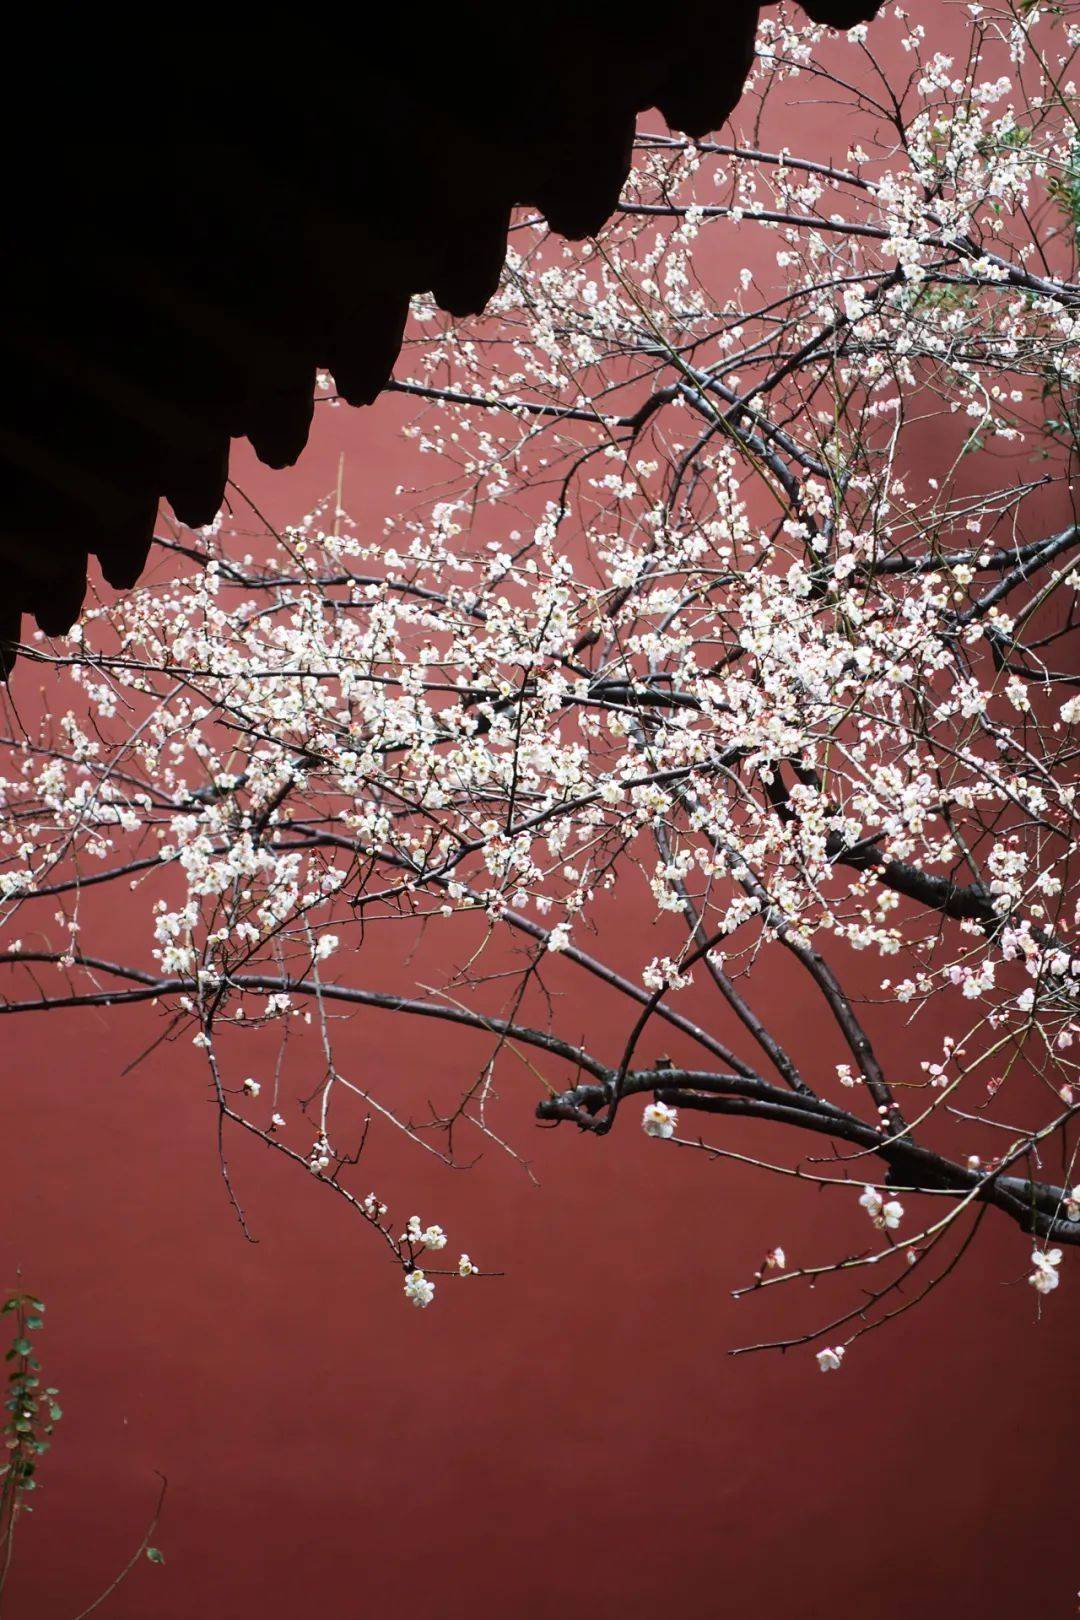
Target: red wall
pixel 570 1440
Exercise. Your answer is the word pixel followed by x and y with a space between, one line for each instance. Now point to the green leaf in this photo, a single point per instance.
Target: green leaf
pixel 155 1555
pixel 22 1347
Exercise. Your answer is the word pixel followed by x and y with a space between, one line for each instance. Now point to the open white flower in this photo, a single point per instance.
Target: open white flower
pixel 885 1216
pixel 829 1360
pixel 1044 1279
pixel 870 1200
pixel 252 1087
pixel 659 1120
pixel 465 1266
pixel 424 1237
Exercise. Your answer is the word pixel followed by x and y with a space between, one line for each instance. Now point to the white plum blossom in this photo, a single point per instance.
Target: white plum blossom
pixel 418 1290
pixel 829 1360
pixel 886 1216
pixel 659 1120
pixel 1045 1278
pixel 424 1237
pixel 252 1087
pixel 320 1157
pixel 465 1266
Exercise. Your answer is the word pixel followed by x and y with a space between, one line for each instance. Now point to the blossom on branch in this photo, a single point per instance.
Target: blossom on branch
pixel 659 1120
pixel 418 1290
pixel 1045 1278
pixel 712 671
pixel 886 1216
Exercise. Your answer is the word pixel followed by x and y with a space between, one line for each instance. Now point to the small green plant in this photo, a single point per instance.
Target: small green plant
pixel 31 1415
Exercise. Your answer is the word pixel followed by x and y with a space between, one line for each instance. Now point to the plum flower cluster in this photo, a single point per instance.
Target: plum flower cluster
pixel 418 1290
pixel 886 1214
pixel 731 594
pixel 427 1237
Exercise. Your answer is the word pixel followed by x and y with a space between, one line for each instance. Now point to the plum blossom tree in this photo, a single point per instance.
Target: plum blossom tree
pixel 742 597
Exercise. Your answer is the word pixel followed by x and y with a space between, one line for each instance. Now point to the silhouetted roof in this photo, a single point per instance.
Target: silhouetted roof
pixel 192 231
